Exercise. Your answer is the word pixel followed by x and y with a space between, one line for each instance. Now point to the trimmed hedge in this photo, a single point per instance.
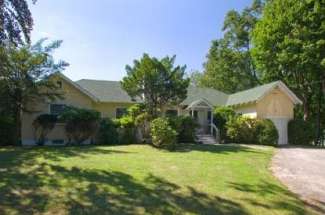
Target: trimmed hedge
pixel 80 124
pixel 185 127
pixel 107 133
pixel 163 135
pixel 300 132
pixel 221 116
pixel 252 131
pixel 266 132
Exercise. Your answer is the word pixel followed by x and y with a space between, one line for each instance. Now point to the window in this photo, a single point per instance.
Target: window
pixel 57 109
pixel 59 84
pixel 171 113
pixel 120 112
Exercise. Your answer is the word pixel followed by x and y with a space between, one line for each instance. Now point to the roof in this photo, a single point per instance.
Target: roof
pixel 81 89
pixel 112 91
pixel 257 93
pixel 106 91
pixel 214 97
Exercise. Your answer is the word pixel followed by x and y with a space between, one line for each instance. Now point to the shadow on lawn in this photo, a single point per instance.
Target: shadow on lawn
pixel 30 187
pixel 285 201
pixel 218 148
pixel 55 189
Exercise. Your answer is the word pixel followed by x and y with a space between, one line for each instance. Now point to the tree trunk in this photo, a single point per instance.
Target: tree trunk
pixel 318 122
pixel 18 125
pixel 306 107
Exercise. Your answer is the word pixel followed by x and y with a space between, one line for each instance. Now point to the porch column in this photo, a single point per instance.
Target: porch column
pixel 211 123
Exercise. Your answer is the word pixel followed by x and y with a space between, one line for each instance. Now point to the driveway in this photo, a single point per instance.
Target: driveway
pixel 302 170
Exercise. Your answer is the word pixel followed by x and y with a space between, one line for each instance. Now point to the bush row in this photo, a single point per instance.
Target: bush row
pixel 252 131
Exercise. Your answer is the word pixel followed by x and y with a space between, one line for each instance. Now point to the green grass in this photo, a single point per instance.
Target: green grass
pixel 195 179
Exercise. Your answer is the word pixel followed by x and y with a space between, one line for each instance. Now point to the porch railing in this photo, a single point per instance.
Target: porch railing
pixel 214 131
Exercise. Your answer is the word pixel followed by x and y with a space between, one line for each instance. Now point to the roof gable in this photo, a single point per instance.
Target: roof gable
pixel 212 96
pixel 257 93
pixel 78 87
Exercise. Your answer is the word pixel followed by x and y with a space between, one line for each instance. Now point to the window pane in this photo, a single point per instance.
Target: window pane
pixel 120 112
pixel 57 109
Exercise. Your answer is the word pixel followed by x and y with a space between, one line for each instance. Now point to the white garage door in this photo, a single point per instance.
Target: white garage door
pixel 282 125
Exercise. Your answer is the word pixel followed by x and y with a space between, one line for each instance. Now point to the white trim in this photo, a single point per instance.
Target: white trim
pixel 94 98
pixel 284 89
pixel 193 104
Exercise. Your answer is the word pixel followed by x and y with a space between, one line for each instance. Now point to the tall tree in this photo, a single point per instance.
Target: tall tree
pixel 289 45
pixel 16 21
pixel 25 76
pixel 156 82
pixel 229 65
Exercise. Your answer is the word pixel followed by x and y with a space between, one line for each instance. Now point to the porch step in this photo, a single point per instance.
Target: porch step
pixel 205 139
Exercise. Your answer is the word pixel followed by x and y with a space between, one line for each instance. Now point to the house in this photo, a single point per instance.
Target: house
pixel 273 101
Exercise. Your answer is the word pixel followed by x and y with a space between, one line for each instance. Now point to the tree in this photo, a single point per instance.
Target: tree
pixel 289 45
pixel 229 66
pixel 157 82
pixel 25 76
pixel 15 19
pixel 43 125
pixel 80 124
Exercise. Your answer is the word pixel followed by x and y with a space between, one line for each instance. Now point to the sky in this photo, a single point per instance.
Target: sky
pixel 100 37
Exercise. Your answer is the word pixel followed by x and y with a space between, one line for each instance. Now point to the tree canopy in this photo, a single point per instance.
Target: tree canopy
pixel 157 82
pixel 289 45
pixel 25 73
pixel 229 66
pixel 16 22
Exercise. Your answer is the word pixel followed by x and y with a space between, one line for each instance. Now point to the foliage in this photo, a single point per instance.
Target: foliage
pixel 185 127
pixel 156 82
pixel 241 130
pixel 229 65
pixel 80 124
pixel 25 75
pixel 300 132
pixel 291 33
pixel 266 132
pixel 7 128
pixel 163 135
pixel 252 131
pixel 107 133
pixel 15 19
pixel 221 116
pixel 43 125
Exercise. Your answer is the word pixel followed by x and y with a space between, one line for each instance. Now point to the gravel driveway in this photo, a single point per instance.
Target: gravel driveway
pixel 302 170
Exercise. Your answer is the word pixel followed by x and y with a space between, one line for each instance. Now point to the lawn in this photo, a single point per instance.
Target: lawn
pixel 139 179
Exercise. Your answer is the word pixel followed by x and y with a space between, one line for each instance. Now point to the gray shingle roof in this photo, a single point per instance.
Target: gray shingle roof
pixel 106 91
pixel 250 95
pixel 111 91
pixel 214 97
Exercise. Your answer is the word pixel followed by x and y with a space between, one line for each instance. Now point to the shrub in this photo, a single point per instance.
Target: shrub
pixel 300 132
pixel 185 127
pixel 107 132
pixel 127 129
pixel 252 131
pixel 163 135
pixel 81 124
pixel 7 130
pixel 266 132
pixel 43 125
pixel 221 116
pixel 241 130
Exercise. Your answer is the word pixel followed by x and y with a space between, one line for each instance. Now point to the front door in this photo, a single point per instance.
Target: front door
pixel 202 119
